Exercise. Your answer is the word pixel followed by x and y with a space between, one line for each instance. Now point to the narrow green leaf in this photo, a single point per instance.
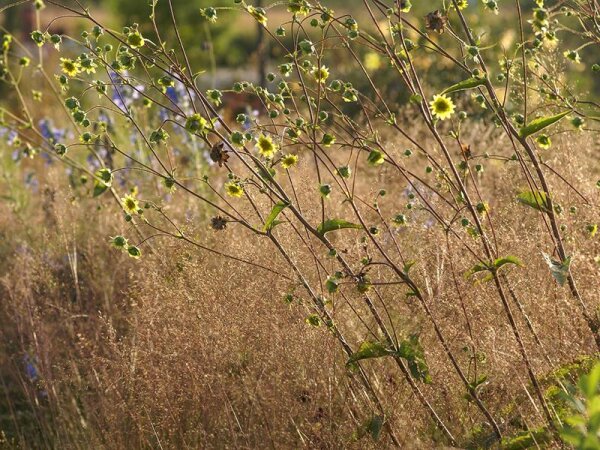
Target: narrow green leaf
pixel 469 83
pixel 197 74
pixel 270 223
pixel 368 350
pixel 336 224
pixel 408 266
pixel 539 124
pixel 479 267
pixel 477 383
pixel 559 269
pixel 537 200
pixel 507 260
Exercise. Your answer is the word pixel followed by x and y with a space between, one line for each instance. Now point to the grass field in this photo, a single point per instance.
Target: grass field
pixel 392 244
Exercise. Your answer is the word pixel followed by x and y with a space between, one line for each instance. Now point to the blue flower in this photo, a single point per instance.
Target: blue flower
pixel 172 94
pixel 47 158
pixel 30 368
pixel 12 136
pixel 93 162
pixel 44 125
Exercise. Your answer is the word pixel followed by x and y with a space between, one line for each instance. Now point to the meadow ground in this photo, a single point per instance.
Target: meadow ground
pixel 388 241
pixel 185 349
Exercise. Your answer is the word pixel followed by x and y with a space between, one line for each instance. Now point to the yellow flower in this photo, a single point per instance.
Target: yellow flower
pixel 321 74
pixel 130 204
pixel 69 67
pixel 135 39
pixel 288 161
pixel 442 106
pixel 234 189
pixel 462 4
pixel 266 147
pixel 259 14
pixel 550 41
pixel 372 61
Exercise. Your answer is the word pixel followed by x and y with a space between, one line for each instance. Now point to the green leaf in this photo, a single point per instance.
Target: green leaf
pixel 332 285
pixel 270 223
pixel 415 99
pixel 373 426
pixel 469 83
pixel 478 382
pixel 99 188
pixel 479 267
pixel 493 267
pixel 412 351
pixel 197 74
pixel 368 350
pixel 537 200
pixel 507 260
pixel 336 224
pixel 267 174
pixel 527 439
pixel 375 158
pixel 102 181
pixel 590 383
pixel 559 269
pixel 408 266
pixel 539 124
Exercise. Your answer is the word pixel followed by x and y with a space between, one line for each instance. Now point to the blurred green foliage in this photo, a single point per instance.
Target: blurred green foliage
pixel 230 45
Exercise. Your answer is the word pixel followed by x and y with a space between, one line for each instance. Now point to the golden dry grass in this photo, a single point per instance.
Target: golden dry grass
pixel 184 349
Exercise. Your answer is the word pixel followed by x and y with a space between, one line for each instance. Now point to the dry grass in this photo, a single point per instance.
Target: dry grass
pixel 181 352
pixel 187 350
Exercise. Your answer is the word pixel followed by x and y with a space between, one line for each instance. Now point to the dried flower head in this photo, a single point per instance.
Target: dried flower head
pixel 218 223
pixel 218 154
pixel 436 21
